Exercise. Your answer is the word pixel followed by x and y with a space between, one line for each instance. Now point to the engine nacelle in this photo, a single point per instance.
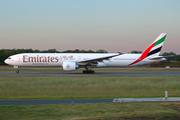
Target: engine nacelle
pixel 69 66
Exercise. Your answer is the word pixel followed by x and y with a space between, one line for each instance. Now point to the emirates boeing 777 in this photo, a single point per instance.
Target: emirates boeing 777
pixel 73 61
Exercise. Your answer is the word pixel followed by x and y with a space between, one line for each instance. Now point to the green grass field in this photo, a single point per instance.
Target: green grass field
pixel 25 87
pixel 101 111
pixel 88 86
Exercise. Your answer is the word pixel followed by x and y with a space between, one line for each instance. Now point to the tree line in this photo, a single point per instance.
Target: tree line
pixel 174 60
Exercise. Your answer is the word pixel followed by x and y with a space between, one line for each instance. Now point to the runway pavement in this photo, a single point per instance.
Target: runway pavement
pixel 97 73
pixel 43 102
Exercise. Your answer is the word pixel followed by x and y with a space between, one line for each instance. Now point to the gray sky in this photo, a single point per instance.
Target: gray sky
pixel 112 25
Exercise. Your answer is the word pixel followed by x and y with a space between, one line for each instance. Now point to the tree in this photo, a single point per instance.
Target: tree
pixel 134 51
pixel 101 51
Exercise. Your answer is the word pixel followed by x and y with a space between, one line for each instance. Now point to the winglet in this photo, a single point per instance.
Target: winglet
pixel 153 49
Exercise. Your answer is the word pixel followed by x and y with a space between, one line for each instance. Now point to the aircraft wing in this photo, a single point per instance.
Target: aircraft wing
pixel 95 60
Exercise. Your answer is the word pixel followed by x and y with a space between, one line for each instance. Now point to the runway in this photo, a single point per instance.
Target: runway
pixel 44 102
pixel 97 73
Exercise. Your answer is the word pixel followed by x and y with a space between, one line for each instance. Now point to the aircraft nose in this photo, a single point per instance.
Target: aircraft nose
pixel 6 61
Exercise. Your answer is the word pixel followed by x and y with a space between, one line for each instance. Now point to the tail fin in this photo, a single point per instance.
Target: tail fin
pixel 153 49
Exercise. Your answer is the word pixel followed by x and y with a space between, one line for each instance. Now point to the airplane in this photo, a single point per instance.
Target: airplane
pixel 73 61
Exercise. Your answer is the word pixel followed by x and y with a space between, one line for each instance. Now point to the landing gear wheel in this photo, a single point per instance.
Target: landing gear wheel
pixel 17 71
pixel 84 71
pixel 92 71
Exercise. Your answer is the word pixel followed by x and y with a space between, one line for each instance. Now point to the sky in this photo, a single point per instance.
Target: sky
pixel 111 25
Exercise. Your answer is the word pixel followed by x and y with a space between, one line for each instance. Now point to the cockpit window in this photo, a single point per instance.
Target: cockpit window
pixel 8 58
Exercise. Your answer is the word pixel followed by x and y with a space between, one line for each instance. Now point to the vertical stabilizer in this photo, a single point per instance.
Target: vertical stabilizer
pixel 153 49
pixel 156 46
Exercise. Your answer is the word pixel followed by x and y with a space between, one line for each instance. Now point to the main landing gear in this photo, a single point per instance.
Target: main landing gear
pixel 88 70
pixel 17 69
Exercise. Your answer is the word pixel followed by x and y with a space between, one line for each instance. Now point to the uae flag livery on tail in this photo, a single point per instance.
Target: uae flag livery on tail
pixel 153 49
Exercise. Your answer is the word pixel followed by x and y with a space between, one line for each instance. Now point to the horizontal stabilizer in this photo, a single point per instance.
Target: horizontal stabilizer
pixel 156 58
pixel 159 57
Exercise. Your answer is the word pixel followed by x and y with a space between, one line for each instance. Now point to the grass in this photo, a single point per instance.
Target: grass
pixel 100 111
pixel 21 87
pixel 85 87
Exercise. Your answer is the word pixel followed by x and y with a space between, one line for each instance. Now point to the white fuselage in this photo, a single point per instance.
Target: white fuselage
pixel 56 59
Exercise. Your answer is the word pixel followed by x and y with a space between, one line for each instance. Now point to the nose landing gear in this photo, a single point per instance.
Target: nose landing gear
pixel 16 67
pixel 17 71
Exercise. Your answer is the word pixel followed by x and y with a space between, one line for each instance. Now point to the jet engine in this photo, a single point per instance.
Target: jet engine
pixel 69 66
